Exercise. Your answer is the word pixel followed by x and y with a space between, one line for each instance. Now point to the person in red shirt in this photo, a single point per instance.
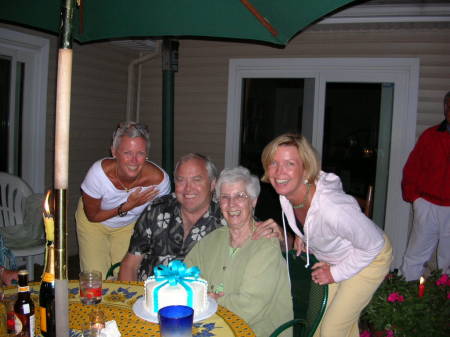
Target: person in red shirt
pixel 426 184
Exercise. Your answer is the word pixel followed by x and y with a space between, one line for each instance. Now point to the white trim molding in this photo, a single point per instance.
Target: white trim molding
pixel 34 51
pixel 373 12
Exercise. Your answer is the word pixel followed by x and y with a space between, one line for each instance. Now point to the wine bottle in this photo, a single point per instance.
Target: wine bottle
pixel 47 295
pixel 24 308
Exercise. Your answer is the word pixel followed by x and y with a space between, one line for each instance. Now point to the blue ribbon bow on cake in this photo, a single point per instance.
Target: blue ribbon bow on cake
pixel 173 274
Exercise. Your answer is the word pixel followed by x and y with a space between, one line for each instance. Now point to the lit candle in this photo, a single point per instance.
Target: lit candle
pixel 98 326
pixel 421 287
pixel 48 220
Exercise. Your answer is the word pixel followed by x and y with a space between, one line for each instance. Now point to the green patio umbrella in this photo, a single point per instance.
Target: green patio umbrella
pixel 269 21
pixel 257 21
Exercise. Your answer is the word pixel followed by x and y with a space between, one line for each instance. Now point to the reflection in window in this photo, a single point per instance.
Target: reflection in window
pixel 270 107
pixel 352 118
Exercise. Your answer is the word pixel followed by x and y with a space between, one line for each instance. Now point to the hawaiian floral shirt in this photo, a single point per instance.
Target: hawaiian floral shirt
pixel 158 233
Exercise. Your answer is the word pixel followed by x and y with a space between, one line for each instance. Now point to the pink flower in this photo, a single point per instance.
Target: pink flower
pixel 443 280
pixel 390 333
pixel 395 297
pixel 365 333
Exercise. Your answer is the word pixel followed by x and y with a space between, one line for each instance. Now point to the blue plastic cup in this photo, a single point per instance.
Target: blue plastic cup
pixel 176 321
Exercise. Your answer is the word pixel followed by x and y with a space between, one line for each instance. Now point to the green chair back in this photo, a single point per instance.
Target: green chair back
pixel 309 299
pixel 111 269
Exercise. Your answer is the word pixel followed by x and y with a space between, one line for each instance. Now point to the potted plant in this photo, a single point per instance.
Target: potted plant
pixel 396 308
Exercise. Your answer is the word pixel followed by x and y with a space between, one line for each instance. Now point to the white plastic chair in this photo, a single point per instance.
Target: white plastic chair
pixel 13 192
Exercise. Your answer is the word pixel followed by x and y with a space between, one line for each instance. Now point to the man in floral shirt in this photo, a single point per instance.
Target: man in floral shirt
pixel 169 228
pixel 173 224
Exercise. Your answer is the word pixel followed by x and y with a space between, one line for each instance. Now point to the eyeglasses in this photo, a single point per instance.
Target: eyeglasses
pixel 237 198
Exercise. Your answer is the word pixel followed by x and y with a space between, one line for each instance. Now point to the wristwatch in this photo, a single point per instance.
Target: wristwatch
pixel 120 212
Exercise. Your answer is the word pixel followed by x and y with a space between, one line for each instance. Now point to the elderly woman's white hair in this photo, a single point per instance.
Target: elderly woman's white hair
pixel 132 130
pixel 239 174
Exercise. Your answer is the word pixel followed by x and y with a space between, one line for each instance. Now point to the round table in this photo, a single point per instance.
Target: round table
pixel 118 299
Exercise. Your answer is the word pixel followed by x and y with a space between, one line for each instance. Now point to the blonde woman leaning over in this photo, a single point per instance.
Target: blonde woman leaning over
pixel 354 253
pixel 114 193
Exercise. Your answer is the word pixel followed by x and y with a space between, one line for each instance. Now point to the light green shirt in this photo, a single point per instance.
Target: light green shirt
pixel 254 279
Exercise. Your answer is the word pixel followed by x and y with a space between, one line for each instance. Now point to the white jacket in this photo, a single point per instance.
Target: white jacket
pixel 336 231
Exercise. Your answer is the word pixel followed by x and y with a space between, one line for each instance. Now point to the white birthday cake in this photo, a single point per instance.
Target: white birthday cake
pixel 175 284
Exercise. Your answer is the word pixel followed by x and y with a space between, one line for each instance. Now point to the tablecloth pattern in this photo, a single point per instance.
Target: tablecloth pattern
pixel 118 299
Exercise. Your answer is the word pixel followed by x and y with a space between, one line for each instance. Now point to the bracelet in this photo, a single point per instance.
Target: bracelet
pixel 120 212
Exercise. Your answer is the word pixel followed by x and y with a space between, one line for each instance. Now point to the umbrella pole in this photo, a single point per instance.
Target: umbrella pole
pixel 62 124
pixel 167 120
pixel 170 66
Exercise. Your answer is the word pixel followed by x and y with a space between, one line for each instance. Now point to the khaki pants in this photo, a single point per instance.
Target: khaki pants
pixel 348 298
pixel 100 246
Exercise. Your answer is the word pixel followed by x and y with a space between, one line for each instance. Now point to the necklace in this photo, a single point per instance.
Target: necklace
pixel 127 189
pixel 303 203
pixel 233 250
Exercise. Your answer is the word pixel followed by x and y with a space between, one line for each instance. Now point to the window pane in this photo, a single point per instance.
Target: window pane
pixel 5 80
pixel 270 107
pixel 352 116
pixel 20 74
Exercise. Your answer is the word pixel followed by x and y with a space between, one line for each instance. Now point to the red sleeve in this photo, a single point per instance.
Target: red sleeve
pixel 413 169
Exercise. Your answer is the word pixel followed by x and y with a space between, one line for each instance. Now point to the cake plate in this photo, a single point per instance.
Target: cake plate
pixel 139 310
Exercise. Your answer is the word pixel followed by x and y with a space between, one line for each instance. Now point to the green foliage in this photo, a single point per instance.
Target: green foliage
pixel 397 309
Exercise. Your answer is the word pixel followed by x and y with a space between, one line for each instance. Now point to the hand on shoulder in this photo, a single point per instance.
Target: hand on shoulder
pixel 267 229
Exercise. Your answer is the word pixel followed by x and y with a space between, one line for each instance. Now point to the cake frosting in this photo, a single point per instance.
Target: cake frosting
pixel 175 284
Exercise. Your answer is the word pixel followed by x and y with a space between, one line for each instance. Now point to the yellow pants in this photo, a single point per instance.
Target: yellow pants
pixel 100 246
pixel 348 298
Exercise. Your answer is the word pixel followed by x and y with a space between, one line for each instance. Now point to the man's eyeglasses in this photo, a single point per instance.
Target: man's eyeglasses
pixel 236 198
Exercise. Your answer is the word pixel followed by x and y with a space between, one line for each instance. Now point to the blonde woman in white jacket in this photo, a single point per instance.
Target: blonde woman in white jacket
pixel 354 253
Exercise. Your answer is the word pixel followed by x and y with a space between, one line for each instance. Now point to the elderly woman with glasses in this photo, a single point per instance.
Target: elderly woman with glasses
pixel 247 276
pixel 114 192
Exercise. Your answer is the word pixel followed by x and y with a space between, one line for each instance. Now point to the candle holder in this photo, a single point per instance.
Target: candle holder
pixel 95 324
pixel 97 319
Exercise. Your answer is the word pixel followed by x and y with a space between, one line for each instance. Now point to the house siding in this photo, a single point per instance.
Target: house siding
pixel 99 101
pixel 98 104
pixel 99 89
pixel 202 80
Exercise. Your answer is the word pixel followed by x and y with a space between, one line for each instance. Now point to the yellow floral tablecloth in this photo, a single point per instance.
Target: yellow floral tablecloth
pixel 117 303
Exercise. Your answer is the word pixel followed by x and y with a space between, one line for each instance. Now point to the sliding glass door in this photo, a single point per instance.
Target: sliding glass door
pixel 355 136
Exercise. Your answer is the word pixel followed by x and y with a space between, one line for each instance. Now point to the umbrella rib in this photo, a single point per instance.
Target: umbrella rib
pixel 260 18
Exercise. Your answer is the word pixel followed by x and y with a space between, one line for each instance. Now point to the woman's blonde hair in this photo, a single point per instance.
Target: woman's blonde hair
pixel 305 150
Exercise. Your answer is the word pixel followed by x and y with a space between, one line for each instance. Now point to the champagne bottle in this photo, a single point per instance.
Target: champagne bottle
pixel 24 308
pixel 47 295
